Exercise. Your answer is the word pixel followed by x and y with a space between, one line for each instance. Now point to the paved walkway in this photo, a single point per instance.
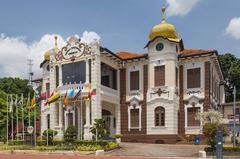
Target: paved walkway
pixel 35 156
pixel 156 150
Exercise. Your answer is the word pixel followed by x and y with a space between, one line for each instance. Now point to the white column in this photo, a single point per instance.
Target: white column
pixel 129 118
pixel 96 103
pixel 87 71
pixel 87 126
pixel 79 125
pixel 118 119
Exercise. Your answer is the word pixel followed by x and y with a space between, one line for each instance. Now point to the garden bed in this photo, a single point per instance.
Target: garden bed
pixel 60 145
pixel 227 151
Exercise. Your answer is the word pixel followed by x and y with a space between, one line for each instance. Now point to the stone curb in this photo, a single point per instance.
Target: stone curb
pixel 47 152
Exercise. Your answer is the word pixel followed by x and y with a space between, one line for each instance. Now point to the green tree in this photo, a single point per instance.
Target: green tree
pixel 230 65
pixel 15 86
pixel 211 120
pixel 11 86
pixel 99 129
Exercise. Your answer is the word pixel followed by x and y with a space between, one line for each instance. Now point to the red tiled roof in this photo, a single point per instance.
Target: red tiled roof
pixel 192 52
pixel 128 55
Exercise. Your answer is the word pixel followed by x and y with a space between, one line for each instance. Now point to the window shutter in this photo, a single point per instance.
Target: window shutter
pixel 193 78
pixel 159 76
pixel 134 80
pixel 191 114
pixel 197 75
pixel 135 118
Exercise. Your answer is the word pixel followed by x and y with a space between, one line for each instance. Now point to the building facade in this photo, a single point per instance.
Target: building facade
pixel 150 97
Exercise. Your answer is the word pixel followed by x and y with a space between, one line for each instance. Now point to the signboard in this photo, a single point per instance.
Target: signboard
pixel 30 129
pixel 72 52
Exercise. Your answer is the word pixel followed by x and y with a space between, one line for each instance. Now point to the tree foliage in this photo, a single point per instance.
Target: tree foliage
pixel 230 65
pixel 12 86
pixel 99 129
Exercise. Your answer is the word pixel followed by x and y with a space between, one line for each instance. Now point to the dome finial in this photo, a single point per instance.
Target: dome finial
pixel 55 38
pixel 164 11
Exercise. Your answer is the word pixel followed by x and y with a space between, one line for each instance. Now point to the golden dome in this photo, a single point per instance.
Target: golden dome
pixel 56 50
pixel 164 30
pixel 47 55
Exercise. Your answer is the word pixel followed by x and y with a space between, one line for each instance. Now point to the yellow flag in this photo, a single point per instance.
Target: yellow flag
pixel 33 102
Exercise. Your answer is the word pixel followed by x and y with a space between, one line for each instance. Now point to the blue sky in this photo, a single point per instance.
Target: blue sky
pixel 122 24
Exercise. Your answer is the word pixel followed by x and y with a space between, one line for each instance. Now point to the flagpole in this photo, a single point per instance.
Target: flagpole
pixel 16 104
pixel 81 113
pixel 35 127
pixel 23 126
pixel 7 119
pixel 12 117
pixel 74 117
pixel 29 109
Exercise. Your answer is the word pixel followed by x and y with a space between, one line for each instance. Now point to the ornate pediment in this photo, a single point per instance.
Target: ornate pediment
pixel 193 100
pixel 134 102
pixel 74 49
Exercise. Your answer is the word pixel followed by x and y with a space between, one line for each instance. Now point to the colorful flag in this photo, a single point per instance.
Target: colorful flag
pixel 65 100
pixel 54 98
pixel 33 102
pixel 47 97
pixel 71 93
pixel 77 95
pixel 94 92
pixel 43 96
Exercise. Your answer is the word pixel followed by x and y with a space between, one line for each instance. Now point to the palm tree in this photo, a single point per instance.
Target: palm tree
pixel 99 129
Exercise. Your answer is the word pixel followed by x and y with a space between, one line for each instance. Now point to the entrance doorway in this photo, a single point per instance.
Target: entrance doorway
pixel 109 125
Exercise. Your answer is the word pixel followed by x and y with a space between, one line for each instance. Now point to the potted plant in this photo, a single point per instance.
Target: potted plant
pixel 118 137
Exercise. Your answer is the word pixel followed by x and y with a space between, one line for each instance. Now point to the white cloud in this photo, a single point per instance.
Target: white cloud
pixel 89 37
pixel 233 28
pixel 180 7
pixel 14 52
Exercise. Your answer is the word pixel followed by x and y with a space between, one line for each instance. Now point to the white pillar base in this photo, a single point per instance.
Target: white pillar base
pixel 87 134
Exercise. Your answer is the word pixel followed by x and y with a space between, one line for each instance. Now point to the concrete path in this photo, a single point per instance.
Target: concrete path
pixel 156 150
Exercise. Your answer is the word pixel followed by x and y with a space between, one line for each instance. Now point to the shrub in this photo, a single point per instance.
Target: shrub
pixel 70 135
pixel 52 148
pixel 112 145
pixel 117 136
pixel 16 142
pixel 210 149
pixel 50 135
pixel 89 148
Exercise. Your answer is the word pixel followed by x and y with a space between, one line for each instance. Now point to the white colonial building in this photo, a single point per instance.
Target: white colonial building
pixel 148 97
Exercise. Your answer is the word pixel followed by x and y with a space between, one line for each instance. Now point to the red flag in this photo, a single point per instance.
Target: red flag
pixel 46 103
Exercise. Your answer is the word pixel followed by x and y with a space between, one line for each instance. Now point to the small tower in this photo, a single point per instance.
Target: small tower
pixel 163 48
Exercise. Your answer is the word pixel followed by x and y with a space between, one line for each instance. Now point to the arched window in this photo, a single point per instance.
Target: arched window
pixel 159 116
